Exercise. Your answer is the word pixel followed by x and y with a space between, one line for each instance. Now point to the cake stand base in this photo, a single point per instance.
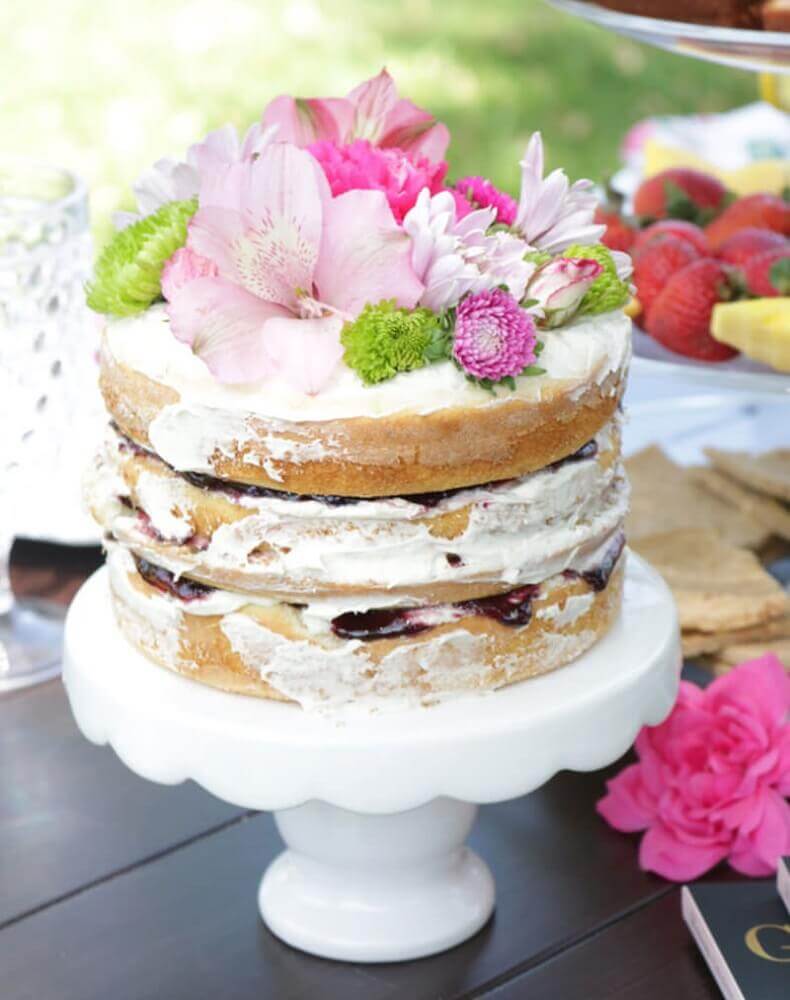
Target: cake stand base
pixel 376 888
pixel 375 808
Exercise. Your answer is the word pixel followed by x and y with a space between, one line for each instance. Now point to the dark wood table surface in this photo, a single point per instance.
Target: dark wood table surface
pixel 114 888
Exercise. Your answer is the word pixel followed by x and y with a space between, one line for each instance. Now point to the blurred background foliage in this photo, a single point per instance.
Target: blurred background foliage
pixel 106 86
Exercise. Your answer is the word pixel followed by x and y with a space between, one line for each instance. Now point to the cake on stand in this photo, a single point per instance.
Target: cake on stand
pixel 375 808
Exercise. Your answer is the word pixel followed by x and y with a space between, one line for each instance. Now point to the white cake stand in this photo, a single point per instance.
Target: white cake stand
pixel 375 808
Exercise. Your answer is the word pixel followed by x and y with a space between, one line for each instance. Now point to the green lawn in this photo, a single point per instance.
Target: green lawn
pixel 107 87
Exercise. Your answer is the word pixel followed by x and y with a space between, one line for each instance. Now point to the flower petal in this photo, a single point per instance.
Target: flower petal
pixel 304 352
pixel 662 852
pixel 269 243
pixel 372 101
pixel 302 121
pixel 224 324
pixel 365 256
pixel 183 267
pixel 627 806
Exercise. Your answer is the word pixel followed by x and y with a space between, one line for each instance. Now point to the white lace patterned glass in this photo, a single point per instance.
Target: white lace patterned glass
pixel 44 258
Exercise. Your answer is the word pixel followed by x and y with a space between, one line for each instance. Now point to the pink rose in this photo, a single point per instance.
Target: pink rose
pixel 712 779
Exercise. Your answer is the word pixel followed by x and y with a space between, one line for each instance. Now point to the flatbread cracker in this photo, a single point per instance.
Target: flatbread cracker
pixel 769 472
pixel 702 643
pixel 730 657
pixel 664 497
pixel 761 508
pixel 716 586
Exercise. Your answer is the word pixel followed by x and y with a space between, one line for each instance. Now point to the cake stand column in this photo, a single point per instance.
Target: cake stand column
pixel 376 888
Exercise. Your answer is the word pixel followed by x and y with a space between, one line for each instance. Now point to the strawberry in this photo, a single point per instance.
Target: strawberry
pixel 671 227
pixel 747 243
pixel 680 193
pixel 656 264
pixel 680 317
pixel 755 211
pixel 768 274
pixel 619 235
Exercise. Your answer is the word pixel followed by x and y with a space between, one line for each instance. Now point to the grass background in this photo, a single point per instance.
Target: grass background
pixel 106 87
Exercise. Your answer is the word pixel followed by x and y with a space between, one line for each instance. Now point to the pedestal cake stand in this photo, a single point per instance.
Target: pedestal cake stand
pixel 375 808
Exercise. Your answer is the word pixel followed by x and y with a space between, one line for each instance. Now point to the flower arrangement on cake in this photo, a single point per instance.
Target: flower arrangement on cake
pixel 364 417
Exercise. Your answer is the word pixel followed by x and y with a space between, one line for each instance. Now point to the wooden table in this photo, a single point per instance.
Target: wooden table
pixel 113 888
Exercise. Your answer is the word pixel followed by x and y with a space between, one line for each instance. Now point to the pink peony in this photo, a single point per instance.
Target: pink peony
pixel 494 336
pixel 372 111
pixel 361 166
pixel 274 265
pixel 712 779
pixel 481 193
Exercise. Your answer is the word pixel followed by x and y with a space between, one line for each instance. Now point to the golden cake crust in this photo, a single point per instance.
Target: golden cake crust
pixel 398 454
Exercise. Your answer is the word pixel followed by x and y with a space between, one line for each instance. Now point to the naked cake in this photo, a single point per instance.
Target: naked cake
pixel 364 435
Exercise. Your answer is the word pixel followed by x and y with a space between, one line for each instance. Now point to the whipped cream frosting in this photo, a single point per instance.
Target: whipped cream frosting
pixel 518 532
pixel 590 349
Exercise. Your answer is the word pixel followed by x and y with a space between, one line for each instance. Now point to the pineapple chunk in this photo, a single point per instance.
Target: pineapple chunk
pixel 758 327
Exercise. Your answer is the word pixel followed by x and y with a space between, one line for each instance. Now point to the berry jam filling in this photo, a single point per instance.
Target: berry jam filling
pixel 598 578
pixel 513 608
pixel 589 450
pixel 164 580
pixel 206 482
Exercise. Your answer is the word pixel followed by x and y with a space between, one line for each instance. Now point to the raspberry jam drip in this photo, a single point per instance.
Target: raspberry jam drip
pixel 513 608
pixel 164 580
pixel 598 578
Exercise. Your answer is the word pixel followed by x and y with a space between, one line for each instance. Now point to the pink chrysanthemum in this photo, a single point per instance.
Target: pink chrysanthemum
pixel 494 336
pixel 360 166
pixel 481 193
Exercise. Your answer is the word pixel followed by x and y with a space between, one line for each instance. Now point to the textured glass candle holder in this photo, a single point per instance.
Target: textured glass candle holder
pixel 45 253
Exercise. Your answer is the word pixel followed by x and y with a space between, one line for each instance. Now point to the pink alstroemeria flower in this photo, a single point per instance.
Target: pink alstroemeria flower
pixel 274 265
pixel 372 111
pixel 560 285
pixel 552 213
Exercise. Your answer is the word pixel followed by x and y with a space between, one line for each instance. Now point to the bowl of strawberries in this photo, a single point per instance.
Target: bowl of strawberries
pixel 711 276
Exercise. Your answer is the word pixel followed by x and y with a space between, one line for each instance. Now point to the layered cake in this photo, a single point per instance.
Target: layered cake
pixel 364 435
pixel 773 15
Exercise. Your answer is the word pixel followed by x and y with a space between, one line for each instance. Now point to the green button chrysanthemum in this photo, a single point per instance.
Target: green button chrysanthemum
pixel 607 292
pixel 127 275
pixel 384 340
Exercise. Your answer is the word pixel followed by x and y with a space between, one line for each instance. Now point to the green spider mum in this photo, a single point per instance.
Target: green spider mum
pixel 127 275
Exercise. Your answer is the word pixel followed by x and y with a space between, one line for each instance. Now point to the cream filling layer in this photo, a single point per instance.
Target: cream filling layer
pixel 518 533
pixel 590 349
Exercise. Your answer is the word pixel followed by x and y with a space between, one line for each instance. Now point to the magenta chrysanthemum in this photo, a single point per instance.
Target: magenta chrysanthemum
pixel 481 193
pixel 361 166
pixel 494 337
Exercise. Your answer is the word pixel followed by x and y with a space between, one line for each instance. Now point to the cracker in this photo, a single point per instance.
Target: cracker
pixel 701 643
pixel 664 497
pixel 769 472
pixel 730 657
pixel 761 508
pixel 717 586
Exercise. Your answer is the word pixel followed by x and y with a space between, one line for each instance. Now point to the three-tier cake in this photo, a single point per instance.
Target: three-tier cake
pixel 364 440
